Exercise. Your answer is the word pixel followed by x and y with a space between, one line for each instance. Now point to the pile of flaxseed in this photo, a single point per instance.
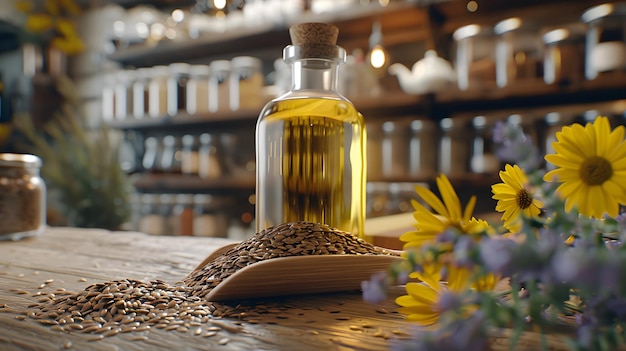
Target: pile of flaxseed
pixel 283 240
pixel 126 305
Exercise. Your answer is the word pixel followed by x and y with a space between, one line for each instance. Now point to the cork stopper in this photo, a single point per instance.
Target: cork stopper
pixel 315 39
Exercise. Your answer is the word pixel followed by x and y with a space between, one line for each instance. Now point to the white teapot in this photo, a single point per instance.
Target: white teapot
pixel 428 75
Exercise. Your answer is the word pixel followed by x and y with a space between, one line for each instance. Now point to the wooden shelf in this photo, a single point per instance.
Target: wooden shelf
pixel 403 22
pixel 184 120
pixel 187 183
pixel 397 104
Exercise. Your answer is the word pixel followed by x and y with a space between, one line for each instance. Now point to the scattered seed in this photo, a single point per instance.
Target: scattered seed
pixel 314 332
pixel 223 341
pixel 67 345
pixel 96 338
pixel 355 327
pixel 82 280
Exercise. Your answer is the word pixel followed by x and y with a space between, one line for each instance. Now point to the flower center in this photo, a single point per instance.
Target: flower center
pixel 595 170
pixel 524 199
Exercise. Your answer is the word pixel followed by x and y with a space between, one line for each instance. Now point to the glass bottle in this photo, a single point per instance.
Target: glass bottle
pixel 311 142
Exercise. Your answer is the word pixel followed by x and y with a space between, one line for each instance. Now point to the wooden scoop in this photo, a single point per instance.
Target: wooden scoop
pixel 297 275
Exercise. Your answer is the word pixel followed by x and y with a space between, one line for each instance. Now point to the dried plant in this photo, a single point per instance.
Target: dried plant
pixel 80 166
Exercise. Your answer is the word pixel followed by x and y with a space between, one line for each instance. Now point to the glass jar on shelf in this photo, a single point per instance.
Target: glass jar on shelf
pixel 400 196
pixel 564 54
pixel 453 146
pixel 209 160
pixel 246 82
pixel 108 98
pixel 181 219
pixel 168 160
pixel 22 196
pixel 377 202
pixel 151 220
pixel 422 158
pixel 198 89
pixel 177 88
pixel 605 47
pixel 483 159
pixel 475 64
pixel 123 94
pixel 157 91
pixel 141 92
pixel 518 52
pixel 219 85
pixel 151 155
pixel 189 156
pixel 211 216
pixel 395 150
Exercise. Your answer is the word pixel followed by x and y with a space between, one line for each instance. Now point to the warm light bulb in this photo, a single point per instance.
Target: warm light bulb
pixel 472 6
pixel 378 57
pixel 178 15
pixel 219 4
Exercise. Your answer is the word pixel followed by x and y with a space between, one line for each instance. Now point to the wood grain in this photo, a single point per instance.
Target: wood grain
pixel 74 258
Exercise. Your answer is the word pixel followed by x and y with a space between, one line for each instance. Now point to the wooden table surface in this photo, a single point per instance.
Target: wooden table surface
pixel 72 259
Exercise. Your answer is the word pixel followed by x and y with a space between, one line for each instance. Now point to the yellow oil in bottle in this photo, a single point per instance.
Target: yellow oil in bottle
pixel 311 163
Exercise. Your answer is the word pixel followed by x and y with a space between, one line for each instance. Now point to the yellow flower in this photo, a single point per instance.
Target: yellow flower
pixel 515 198
pixel 39 23
pixel 447 214
pixel 591 165
pixel 421 305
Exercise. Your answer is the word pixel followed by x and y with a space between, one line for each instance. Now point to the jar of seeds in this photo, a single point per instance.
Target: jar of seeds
pixel 22 196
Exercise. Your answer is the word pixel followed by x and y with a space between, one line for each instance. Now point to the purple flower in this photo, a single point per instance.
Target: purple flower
pixel 375 289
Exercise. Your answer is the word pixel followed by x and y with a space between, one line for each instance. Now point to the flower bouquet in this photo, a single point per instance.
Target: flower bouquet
pixel 555 261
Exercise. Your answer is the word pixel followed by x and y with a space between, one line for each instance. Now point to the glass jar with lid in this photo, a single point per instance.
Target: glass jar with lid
pixel 422 158
pixel 605 47
pixel 395 150
pixel 517 52
pixel 564 53
pixel 123 94
pixel 219 85
pixel 453 146
pixel 198 89
pixel 151 219
pixel 209 160
pixel 141 92
pixel 483 159
pixel 108 98
pixel 22 196
pixel 157 91
pixel 177 88
pixel 475 65
pixel 211 215
pixel 183 215
pixel 190 162
pixel 169 163
pixel 246 82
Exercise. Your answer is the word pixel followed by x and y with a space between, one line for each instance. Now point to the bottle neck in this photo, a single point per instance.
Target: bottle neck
pixel 314 74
